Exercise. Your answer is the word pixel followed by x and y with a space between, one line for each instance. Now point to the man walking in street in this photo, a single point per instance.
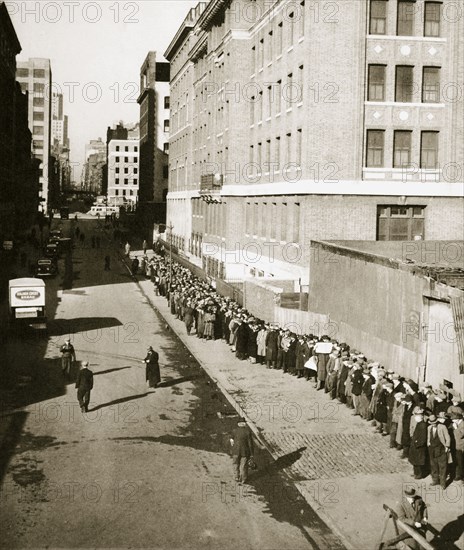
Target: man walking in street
pixel 144 246
pixel 242 450
pixel 84 385
pixel 67 357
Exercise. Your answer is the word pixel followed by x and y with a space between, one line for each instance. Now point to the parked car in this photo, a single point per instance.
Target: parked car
pixel 51 251
pixel 46 267
pixel 65 244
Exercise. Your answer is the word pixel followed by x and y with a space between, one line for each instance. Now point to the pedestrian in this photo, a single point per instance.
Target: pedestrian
pixel 412 510
pixel 152 372
pixel 418 448
pixel 134 267
pixel 107 263
pixel 127 249
pixel 242 450
pixel 84 385
pixel 67 357
pixel 188 317
pixel 438 442
pixel 144 246
pixel 458 432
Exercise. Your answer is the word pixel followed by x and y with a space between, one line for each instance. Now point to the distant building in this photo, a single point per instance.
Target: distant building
pixel 60 149
pixel 154 139
pixel 35 77
pixel 95 161
pixel 123 164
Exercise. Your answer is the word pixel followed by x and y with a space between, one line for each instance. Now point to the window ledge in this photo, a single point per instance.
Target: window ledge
pixel 269 64
pixel 301 39
pixel 268 119
pixel 290 49
pixel 289 110
pixel 278 115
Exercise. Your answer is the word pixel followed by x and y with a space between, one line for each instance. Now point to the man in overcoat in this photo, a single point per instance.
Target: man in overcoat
pixel 242 450
pixel 84 385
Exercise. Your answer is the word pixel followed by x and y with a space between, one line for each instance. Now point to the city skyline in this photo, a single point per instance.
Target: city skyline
pixel 99 79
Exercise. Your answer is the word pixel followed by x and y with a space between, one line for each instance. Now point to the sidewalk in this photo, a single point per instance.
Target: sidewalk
pixel 344 469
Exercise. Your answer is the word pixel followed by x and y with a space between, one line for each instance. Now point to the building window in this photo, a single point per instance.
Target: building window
pixel 166 125
pixel 429 150
pixel 116 159
pixel 166 148
pixel 404 84
pixel 299 149
pixel 277 152
pixel 116 181
pixel 38 88
pixel 135 182
pixel 126 170
pixel 270 100
pixel 431 85
pixel 117 169
pixel 22 73
pixel 116 192
pixel 302 18
pixel 38 130
pixel 405 22
pixel 402 149
pixel 375 148
pixel 400 223
pixel 291 29
pixel 376 90
pixel 279 97
pixel 289 92
pixel 126 181
pixel 270 43
pixel 38 101
pixel 135 170
pixel 126 149
pixel 131 193
pixel 39 73
pixel 117 147
pixel 166 102
pixel 283 222
pixel 296 223
pixel 261 53
pixel 288 153
pixel 126 159
pixel 124 192
pixel 432 19
pixel 267 158
pixel 378 17
pixel 38 115
pixel 300 83
pixel 136 149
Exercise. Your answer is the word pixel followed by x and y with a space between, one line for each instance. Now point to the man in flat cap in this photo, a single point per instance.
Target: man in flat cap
pixel 84 385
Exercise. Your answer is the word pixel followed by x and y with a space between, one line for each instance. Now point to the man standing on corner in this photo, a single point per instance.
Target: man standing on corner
pixel 84 385
pixel 242 450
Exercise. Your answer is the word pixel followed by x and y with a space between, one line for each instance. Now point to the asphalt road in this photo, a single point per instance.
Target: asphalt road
pixel 141 469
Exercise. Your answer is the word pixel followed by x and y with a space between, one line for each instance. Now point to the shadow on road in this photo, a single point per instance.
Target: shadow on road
pixel 64 327
pixel 451 532
pixel 10 439
pixel 281 463
pixel 109 370
pixel 176 381
pixel 119 401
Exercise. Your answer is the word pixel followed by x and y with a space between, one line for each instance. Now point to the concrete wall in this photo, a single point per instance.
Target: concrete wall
pixel 378 307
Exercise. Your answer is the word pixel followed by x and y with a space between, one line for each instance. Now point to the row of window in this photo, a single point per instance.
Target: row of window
pixel 126 181
pixel 405 88
pixel 281 150
pixel 126 159
pixel 131 192
pixel 271 45
pixel 407 12
pixel 127 170
pixel 277 221
pixel 127 149
pixel 402 149
pixel 24 73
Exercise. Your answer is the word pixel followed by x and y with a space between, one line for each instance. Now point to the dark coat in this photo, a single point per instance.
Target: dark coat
pixel 418 448
pixel 302 354
pixel 252 345
pixel 84 379
pixel 271 345
pixel 357 381
pixel 405 437
pixel 243 442
pixel 381 413
pixel 242 338
pixel 152 374
pixel 290 356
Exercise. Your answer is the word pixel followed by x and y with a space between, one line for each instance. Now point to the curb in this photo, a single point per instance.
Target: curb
pixel 315 505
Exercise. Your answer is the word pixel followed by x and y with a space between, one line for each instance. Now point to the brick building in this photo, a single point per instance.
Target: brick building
pixel 154 140
pixel 293 121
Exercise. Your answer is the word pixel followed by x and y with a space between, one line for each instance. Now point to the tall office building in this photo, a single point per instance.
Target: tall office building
pixel 35 77
pixel 95 160
pixel 154 139
pixel 295 120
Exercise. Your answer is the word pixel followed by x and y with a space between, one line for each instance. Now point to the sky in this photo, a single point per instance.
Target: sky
pixel 96 50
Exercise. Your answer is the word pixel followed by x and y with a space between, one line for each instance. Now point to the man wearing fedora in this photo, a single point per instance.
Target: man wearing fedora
pixel 242 450
pixel 152 372
pixel 438 442
pixel 84 385
pixel 458 433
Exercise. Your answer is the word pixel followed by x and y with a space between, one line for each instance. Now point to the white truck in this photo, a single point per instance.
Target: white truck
pixel 27 303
